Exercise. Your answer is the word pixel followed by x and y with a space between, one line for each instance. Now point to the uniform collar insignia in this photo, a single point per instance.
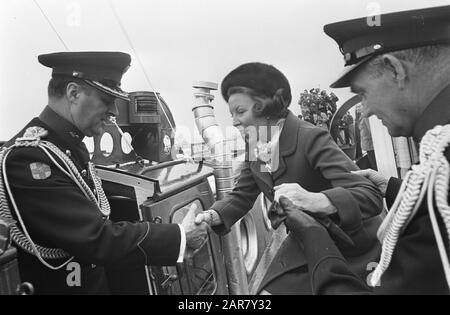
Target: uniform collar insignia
pixel 74 134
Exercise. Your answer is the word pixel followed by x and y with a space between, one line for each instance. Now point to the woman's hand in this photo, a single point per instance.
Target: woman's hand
pixel 376 178
pixel 211 217
pixel 305 200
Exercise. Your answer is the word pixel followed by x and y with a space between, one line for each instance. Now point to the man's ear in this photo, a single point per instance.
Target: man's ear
pixel 73 91
pixel 396 67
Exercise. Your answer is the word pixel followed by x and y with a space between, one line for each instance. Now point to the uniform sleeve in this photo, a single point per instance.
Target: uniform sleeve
pixel 57 214
pixel 329 271
pixel 238 202
pixel 392 190
pixel 354 196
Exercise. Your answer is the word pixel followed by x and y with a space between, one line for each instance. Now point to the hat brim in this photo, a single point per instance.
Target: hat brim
pixel 109 90
pixel 344 78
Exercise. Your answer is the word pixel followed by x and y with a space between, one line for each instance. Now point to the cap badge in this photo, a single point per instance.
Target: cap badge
pixel 77 74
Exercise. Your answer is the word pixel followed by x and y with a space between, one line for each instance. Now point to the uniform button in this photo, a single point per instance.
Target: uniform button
pixel 83 173
pixel 93 266
pixel 68 153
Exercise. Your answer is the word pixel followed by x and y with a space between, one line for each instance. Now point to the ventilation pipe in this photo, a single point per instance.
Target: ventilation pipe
pixel 223 172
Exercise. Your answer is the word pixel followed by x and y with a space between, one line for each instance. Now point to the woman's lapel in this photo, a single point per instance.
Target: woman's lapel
pixel 287 145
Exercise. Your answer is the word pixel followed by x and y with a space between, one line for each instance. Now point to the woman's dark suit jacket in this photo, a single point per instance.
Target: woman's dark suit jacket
pixel 308 156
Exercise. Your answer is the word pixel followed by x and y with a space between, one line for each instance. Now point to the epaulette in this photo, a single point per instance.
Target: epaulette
pixel 32 136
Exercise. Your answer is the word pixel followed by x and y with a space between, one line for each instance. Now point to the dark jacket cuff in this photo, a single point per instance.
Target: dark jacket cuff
pixel 347 208
pixel 223 228
pixel 392 190
pixel 161 244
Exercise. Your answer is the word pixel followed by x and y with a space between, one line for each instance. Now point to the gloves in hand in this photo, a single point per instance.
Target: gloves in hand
pixel 299 221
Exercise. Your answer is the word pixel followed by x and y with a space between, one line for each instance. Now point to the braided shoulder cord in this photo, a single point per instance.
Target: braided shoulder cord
pixel 21 237
pixel 431 176
pixel 103 203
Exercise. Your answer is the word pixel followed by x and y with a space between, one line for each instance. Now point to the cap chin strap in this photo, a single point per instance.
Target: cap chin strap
pixel 108 90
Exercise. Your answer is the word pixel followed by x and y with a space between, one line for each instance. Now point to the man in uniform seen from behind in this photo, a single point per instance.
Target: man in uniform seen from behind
pixel 56 197
pixel 401 68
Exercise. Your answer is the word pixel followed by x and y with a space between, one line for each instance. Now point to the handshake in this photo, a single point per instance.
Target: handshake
pixel 196 227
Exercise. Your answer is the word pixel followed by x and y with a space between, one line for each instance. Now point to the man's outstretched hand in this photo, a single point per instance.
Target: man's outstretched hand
pixel 196 234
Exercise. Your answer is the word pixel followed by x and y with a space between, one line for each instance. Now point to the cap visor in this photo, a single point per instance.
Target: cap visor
pixel 344 78
pixel 108 90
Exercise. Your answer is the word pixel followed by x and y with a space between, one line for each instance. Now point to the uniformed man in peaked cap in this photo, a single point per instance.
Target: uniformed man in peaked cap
pixel 401 69
pixel 56 197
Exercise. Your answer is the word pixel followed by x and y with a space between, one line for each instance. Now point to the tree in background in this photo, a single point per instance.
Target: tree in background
pixel 316 104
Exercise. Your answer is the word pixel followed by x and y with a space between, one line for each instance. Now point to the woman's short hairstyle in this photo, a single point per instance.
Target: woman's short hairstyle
pixel 262 81
pixel 271 107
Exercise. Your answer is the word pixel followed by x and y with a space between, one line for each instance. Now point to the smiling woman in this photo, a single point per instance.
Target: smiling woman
pixel 297 160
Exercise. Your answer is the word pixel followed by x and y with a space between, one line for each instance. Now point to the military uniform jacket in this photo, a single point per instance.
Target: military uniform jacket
pixel 416 267
pixel 308 156
pixel 58 215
